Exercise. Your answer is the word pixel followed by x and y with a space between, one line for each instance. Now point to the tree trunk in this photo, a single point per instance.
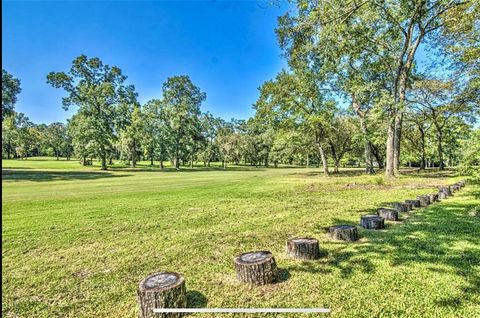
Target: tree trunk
pixel 363 127
pixel 104 158
pixel 440 150
pixel 258 268
pixel 324 160
pixel 397 141
pixel 389 167
pixel 337 164
pixel 303 248
pixel 378 156
pixel 161 290
pixel 423 162
pixel 308 160
pixel 134 154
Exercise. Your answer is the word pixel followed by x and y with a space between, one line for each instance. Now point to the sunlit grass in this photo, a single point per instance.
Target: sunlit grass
pixel 76 241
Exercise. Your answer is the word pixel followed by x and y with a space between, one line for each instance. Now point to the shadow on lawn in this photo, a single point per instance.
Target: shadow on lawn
pixel 44 175
pixel 196 299
pixel 429 238
pixel 182 170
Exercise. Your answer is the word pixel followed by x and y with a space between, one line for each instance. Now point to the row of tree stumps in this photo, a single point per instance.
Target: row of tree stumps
pixel 167 289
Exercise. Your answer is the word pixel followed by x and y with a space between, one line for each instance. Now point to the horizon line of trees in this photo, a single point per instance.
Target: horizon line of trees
pixel 175 129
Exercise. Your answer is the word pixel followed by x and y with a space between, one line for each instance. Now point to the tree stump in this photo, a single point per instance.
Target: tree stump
pixel 462 183
pixel 258 268
pixel 344 232
pixel 303 248
pixel 410 204
pixel 388 214
pixel 442 195
pixel 433 197
pixel 456 187
pixel 161 290
pixel 372 222
pixel 414 203
pixel 424 200
pixel 446 190
pixel 402 207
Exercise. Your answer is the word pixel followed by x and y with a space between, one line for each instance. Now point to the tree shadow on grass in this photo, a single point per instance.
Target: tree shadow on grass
pixel 44 175
pixel 282 276
pixel 430 238
pixel 430 173
pixel 183 170
pixel 196 299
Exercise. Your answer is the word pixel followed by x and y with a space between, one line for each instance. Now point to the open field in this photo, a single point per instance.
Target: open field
pixel 76 241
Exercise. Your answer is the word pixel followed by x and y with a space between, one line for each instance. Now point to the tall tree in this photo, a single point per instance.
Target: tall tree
pixel 27 136
pixel 438 102
pixel 154 140
pixel 182 101
pixel 56 137
pixel 297 99
pixel 97 90
pixel 390 32
pixel 10 90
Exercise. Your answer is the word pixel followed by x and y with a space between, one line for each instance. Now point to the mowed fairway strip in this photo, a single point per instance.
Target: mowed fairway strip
pixel 77 241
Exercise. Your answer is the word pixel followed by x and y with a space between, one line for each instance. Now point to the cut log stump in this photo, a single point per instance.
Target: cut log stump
pixel 462 183
pixel 258 267
pixel 388 214
pixel 433 197
pixel 303 248
pixel 410 204
pixel 161 290
pixel 446 190
pixel 402 207
pixel 456 187
pixel 414 203
pixel 372 222
pixel 424 200
pixel 344 232
pixel 442 195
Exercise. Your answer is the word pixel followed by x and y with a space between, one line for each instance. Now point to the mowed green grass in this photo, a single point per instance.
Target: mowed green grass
pixel 77 241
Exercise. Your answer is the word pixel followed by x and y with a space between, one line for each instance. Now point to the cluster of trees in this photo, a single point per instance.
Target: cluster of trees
pixel 364 54
pixel 352 94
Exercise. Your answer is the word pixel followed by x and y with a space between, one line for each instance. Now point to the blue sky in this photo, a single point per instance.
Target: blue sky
pixel 227 48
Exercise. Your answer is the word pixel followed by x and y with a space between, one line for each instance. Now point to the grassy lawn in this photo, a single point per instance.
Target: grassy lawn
pixel 76 241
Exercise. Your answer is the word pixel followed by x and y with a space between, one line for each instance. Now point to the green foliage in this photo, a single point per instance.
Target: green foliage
pixel 379 180
pixel 181 114
pixel 470 163
pixel 99 92
pixel 10 90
